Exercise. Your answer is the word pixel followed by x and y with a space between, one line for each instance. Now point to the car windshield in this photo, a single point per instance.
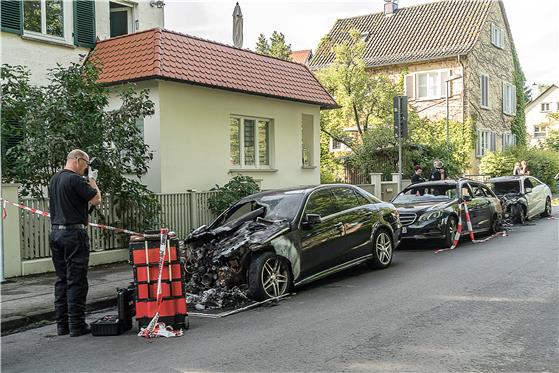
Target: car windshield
pixel 426 193
pixel 505 187
pixel 280 206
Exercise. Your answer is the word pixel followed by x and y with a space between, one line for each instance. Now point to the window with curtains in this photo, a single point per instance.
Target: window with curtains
pixel 485 142
pixel 484 91
pixel 249 140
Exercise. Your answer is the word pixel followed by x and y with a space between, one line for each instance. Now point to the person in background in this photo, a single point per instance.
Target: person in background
pixel 416 178
pixel 438 171
pixel 516 170
pixel 524 170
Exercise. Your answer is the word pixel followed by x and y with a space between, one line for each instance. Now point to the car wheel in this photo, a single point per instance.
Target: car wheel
pixel 383 249
pixel 494 225
pixel 269 276
pixel 450 231
pixel 547 211
pixel 519 214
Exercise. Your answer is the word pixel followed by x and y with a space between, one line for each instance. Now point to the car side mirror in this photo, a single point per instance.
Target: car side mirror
pixel 312 219
pixel 467 198
pixel 528 190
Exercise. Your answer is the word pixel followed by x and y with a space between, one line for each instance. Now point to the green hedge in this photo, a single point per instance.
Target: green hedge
pixel 543 164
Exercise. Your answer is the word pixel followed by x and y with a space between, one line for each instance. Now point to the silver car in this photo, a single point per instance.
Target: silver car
pixel 532 195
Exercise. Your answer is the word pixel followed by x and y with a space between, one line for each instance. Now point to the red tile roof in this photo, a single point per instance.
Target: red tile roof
pixel 301 56
pixel 163 54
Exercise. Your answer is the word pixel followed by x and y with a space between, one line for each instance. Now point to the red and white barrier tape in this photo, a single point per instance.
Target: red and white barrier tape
pixel 470 230
pixel 155 328
pixel 46 214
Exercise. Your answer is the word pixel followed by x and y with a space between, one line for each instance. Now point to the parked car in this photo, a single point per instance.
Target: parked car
pixel 278 239
pixel 523 197
pixel 429 210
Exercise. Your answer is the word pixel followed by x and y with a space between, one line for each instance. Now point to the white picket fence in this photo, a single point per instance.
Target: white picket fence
pixel 180 212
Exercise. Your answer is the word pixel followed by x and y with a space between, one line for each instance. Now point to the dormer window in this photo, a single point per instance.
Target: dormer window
pixel 122 18
pixel 365 36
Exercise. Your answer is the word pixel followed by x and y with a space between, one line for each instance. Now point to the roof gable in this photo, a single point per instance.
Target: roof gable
pixel 163 54
pixel 422 32
pixel 541 96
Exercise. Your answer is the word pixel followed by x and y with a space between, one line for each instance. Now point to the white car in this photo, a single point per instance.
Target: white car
pixel 533 195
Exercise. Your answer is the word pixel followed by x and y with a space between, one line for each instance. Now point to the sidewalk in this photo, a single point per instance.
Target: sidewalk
pixel 29 299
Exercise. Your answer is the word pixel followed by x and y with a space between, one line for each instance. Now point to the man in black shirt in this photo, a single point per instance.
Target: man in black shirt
pixel 438 171
pixel 416 178
pixel 70 195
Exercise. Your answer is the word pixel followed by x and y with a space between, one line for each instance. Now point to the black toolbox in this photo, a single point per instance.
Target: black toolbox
pixel 117 324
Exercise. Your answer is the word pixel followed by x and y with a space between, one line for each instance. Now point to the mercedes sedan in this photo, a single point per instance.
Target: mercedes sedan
pixel 274 240
pixel 430 210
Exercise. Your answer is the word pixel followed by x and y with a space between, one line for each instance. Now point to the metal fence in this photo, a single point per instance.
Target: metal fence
pixel 181 212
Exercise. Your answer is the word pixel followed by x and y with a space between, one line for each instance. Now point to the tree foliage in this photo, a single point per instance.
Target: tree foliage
pixel 237 188
pixel 276 47
pixel 45 122
pixel 518 126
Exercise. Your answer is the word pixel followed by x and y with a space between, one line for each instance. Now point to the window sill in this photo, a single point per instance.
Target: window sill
pixel 308 167
pixel 253 170
pixel 484 107
pixel 419 99
pixel 48 40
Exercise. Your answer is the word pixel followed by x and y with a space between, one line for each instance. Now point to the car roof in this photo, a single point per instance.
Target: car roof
pixel 506 178
pixel 305 189
pixel 436 182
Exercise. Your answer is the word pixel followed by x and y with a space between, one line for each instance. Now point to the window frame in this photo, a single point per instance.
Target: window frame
pixel 67 24
pixel 497 36
pixel 257 165
pixel 509 99
pixel 130 15
pixel 485 142
pixel 481 96
pixel 547 104
pixel 440 92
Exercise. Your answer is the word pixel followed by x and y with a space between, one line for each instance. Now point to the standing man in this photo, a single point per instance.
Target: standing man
pixel 70 195
pixel 416 178
pixel 438 171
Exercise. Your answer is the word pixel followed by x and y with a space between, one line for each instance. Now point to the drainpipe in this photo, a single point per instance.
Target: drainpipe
pixel 463 88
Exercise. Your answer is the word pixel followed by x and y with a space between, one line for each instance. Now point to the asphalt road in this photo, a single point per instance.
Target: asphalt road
pixel 480 308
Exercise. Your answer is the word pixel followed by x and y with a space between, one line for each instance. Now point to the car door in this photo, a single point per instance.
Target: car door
pixel 356 217
pixel 531 197
pixel 320 243
pixel 493 199
pixel 538 188
pixel 482 206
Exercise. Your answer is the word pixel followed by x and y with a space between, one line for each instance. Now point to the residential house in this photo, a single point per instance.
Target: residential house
pixel 40 33
pixel 220 111
pixel 302 56
pixel 538 122
pixel 458 49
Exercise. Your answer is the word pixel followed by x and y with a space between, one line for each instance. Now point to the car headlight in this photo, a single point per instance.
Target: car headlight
pixel 431 215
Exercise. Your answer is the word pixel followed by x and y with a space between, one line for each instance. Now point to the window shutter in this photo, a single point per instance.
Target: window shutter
pixel 12 16
pixel 444 76
pixel 513 94
pixel 493 34
pixel 409 86
pixel 84 23
pixel 493 141
pixel 505 98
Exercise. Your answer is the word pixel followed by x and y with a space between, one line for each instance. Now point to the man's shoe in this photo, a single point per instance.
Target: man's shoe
pixel 62 329
pixel 78 332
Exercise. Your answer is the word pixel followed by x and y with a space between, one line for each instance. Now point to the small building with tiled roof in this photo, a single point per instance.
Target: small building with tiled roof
pixel 465 45
pixel 302 56
pixel 220 111
pixel 539 122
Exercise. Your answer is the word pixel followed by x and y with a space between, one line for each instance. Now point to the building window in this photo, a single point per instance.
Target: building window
pixel 497 36
pixel 121 18
pixel 430 85
pixel 509 139
pixel 249 140
pixel 485 142
pixel 484 88
pixel 44 17
pixel 307 144
pixel 539 131
pixel 509 99
pixel 545 106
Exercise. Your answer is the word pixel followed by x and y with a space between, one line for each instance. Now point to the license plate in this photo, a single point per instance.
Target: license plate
pixel 404 230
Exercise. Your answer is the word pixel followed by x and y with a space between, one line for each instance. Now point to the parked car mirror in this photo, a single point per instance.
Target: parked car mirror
pixel 467 198
pixel 312 219
pixel 528 190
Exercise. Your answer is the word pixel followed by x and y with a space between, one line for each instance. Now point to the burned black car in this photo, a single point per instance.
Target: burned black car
pixel 272 241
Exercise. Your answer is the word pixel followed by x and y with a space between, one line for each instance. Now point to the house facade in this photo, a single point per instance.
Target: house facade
pixel 538 123
pixel 220 111
pixel 39 34
pixel 456 58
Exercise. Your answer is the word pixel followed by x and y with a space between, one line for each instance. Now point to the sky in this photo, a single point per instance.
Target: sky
pixel 534 24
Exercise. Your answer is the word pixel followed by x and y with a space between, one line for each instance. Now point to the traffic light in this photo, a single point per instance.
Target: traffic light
pixel 401 116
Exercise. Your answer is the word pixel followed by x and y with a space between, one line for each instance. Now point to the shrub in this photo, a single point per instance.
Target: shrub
pixel 543 164
pixel 237 188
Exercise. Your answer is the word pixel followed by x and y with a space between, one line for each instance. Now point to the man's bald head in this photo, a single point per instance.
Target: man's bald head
pixel 77 153
pixel 77 161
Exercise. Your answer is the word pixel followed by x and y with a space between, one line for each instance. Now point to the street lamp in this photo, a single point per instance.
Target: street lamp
pixel 450 79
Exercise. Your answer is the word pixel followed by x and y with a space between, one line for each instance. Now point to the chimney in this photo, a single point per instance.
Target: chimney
pixel 535 90
pixel 390 7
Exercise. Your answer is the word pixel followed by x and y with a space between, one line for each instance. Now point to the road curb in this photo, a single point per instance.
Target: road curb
pixel 17 323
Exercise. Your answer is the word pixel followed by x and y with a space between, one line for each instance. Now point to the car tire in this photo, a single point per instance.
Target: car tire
pixel 383 250
pixel 494 225
pixel 547 211
pixel 269 276
pixel 450 231
pixel 519 214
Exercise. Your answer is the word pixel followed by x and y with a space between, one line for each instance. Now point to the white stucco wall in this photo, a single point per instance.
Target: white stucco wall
pixel 151 132
pixel 536 117
pixel 195 144
pixel 41 55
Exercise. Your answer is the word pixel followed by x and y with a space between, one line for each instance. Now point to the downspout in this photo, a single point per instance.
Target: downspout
pixel 463 89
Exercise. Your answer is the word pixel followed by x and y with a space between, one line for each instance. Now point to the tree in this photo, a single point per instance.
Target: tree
pixel 71 112
pixel 277 47
pixel 518 125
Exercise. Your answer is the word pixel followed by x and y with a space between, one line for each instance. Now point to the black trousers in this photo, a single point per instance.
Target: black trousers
pixel 70 256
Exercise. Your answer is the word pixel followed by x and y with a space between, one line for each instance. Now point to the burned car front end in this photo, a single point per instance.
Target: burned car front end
pixel 513 201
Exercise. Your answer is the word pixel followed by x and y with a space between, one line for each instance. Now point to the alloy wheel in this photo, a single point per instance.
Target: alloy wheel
pixel 383 248
pixel 548 207
pixel 275 277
